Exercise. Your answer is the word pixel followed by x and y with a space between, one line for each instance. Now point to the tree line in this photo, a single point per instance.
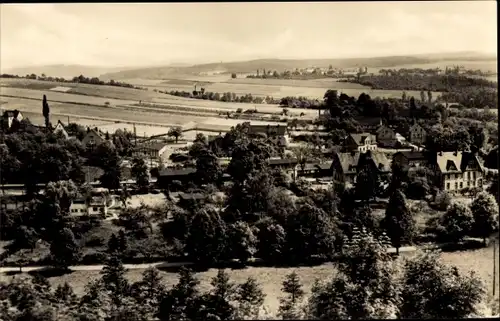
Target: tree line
pixel 441 83
pixel 77 79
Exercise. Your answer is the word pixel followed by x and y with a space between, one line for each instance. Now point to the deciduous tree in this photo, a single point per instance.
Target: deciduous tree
pixel 484 209
pixel 398 222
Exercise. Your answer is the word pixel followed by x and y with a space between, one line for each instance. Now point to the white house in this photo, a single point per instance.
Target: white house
pixel 60 129
pixel 95 206
pixel 459 170
pixel 153 150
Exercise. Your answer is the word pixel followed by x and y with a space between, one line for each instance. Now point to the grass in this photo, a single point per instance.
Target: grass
pixel 108 92
pixel 271 278
pixel 278 91
pixel 313 83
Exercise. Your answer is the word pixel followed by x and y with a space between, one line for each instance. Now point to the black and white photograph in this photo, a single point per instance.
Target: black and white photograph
pixel 249 161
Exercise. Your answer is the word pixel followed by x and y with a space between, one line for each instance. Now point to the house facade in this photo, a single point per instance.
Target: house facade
pixel 94 206
pixel 345 166
pixel 417 134
pixel 360 142
pixel 410 161
pixel 60 129
pixel 153 150
pixel 9 116
pixel 458 170
pixel 385 134
pixel 93 138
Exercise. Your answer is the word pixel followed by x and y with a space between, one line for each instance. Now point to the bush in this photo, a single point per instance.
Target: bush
pixel 93 258
pixel 95 241
pixel 441 201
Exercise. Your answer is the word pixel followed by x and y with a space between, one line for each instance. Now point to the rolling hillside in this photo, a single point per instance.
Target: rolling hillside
pixel 283 64
pixel 65 71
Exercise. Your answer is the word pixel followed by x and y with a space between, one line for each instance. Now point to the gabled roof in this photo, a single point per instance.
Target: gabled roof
pixel 177 172
pixel 348 161
pixel 265 129
pixel 456 162
pixel 360 139
pixel 152 146
pixel 414 156
pixel 383 127
pixel 415 126
pixel 191 196
pixel 10 113
pixel 381 161
pixel 279 161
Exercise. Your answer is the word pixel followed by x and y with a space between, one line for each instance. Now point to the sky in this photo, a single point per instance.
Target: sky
pixel 149 34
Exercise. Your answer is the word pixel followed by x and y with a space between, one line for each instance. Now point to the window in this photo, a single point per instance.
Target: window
pixel 456 185
pixel 473 183
pixel 468 183
pixel 461 185
pixel 474 175
pixel 480 183
pixel 468 175
pixel 447 185
pixel 82 210
pixel 95 209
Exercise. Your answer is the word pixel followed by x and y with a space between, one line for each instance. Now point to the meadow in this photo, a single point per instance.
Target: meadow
pixel 271 278
pixel 278 88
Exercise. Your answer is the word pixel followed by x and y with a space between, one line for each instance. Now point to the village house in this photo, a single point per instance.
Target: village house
pixel 287 165
pixel 93 138
pixel 360 142
pixel 60 129
pixel 417 134
pixel 168 176
pixel 8 117
pixel 276 133
pixel 458 170
pixel 96 205
pixel 386 136
pixel 410 160
pixel 345 165
pixel 151 150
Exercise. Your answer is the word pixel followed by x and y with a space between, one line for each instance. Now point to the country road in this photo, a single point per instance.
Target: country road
pixel 8 269
pixel 97 267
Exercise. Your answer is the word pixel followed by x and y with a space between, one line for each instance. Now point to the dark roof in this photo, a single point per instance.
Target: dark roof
pixel 348 161
pixel 265 129
pixel 368 121
pixel 381 161
pixel 191 196
pixel 151 145
pixel 177 172
pixel 412 155
pixel 10 113
pixel 360 138
pixel 286 161
pixel 324 166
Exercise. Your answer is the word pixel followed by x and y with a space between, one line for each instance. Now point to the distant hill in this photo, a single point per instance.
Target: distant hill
pixel 65 71
pixel 290 64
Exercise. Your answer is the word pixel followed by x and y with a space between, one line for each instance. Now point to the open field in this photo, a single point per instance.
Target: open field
pixel 61 97
pixel 109 92
pixel 96 95
pixel 271 278
pixel 312 83
pixel 262 88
